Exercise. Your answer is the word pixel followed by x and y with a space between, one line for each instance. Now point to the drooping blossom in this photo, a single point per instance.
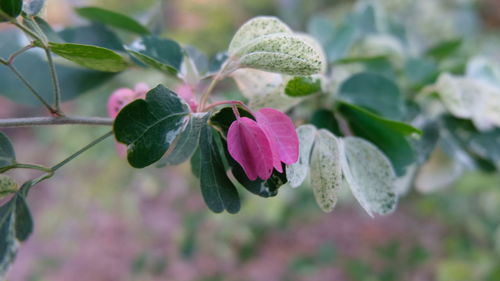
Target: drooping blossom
pixel 261 145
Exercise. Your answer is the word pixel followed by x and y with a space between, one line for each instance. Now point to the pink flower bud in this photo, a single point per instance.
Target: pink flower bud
pixel 120 98
pixel 186 92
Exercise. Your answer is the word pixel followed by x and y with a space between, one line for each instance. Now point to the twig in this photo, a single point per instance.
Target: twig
pixel 55 82
pixel 232 102
pixel 61 120
pixel 28 85
pixel 18 52
pixel 82 150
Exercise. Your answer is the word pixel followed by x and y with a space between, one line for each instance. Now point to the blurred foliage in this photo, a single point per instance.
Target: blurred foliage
pixel 150 225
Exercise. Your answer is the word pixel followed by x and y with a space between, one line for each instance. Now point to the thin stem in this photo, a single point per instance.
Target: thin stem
pixel 210 88
pixel 17 53
pixel 26 166
pixel 27 31
pixel 55 82
pixel 62 120
pixel 82 150
pixel 235 111
pixel 232 102
pixel 28 85
pixel 343 124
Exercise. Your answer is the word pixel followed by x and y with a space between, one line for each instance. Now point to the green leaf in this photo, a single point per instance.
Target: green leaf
pixel 16 225
pixel 380 64
pixel 7 154
pixel 326 174
pixel 195 163
pixel 223 118
pixel 216 62
pixel 89 56
pixel 444 49
pixel 150 126
pixel 303 86
pixel 160 53
pixel 370 176
pixel 420 71
pixel 388 135
pixel 218 191
pixel 112 18
pixel 187 142
pixel 24 221
pixel 298 171
pixel 33 7
pixel 375 92
pixel 468 146
pixel 267 188
pixel 35 22
pixel 7 185
pixel 95 34
pixel 74 80
pixel 10 7
pixel 325 119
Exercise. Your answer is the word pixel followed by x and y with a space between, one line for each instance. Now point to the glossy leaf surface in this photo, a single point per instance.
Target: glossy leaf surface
pixel 218 191
pixel 150 126
pixel 160 53
pixel 92 57
pixel 389 136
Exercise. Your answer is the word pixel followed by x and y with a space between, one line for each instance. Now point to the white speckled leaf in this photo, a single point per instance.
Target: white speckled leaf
pixel 254 82
pixel 326 173
pixel 470 98
pixel 283 53
pixel 369 174
pixel 297 173
pixel 316 46
pixel 255 28
pixel 456 95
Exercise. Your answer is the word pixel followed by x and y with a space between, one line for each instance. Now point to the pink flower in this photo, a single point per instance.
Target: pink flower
pixel 261 145
pixel 124 96
pixel 120 98
pixel 186 92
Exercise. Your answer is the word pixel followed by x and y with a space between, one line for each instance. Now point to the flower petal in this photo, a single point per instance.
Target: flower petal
pixel 186 92
pixel 141 90
pixel 278 125
pixel 250 147
pixel 118 100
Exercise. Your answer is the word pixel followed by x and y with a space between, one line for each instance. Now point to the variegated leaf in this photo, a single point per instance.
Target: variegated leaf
pixel 369 174
pixel 282 53
pixel 297 173
pixel 326 173
pixel 254 29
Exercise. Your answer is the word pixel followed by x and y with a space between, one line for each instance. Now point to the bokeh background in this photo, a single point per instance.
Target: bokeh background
pixel 99 219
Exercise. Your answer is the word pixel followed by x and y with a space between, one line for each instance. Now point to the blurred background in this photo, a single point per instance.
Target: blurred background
pixel 99 219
